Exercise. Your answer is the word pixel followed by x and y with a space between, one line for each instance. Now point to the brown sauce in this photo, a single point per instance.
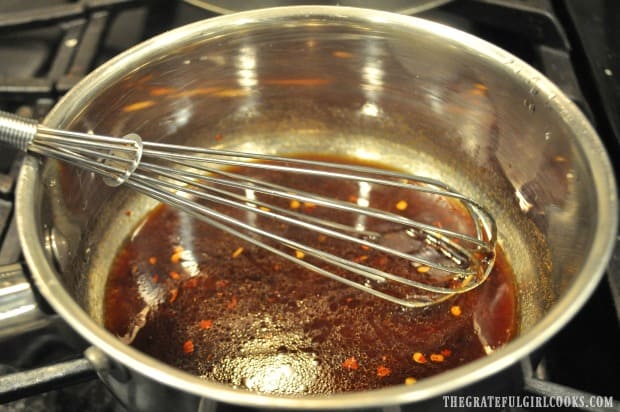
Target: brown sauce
pixel 204 301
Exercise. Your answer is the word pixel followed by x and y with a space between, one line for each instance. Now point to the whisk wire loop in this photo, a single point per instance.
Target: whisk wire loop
pixel 198 163
pixel 202 191
pixel 202 213
pixel 208 184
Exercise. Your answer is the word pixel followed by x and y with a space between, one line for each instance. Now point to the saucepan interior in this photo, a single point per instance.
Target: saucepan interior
pixel 375 86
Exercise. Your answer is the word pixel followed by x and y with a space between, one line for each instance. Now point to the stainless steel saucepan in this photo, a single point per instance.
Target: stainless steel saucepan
pixel 333 80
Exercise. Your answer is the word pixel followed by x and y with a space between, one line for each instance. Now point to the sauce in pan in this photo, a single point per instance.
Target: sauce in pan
pixel 204 301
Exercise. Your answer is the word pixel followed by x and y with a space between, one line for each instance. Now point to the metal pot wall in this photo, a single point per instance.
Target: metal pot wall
pixel 333 80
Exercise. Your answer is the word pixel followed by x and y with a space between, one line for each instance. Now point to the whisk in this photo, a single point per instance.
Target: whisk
pixel 439 262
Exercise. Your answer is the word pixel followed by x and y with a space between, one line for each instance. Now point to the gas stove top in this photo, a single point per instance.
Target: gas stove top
pixel 46 47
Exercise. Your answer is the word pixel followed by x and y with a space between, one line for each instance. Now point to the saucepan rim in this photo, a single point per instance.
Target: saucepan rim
pixel 48 281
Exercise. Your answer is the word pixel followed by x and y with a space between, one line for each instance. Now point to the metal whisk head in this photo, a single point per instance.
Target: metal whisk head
pixel 417 244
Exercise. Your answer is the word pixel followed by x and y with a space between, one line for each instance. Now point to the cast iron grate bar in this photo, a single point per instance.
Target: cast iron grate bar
pixel 66 49
pixel 84 25
pixel 557 66
pixel 536 383
pixel 40 16
pixel 86 51
pixel 533 19
pixel 53 14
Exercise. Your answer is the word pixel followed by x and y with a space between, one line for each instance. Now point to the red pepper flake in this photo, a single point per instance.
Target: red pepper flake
pixel 138 106
pixel 188 346
pixel 352 199
pixel 383 260
pixel 401 205
pixel 361 258
pixel 233 302
pixel 174 275
pixel 174 293
pixel 218 137
pixel 383 371
pixel 365 247
pixel 155 278
pixel 205 324
pixel 161 91
pixel 456 310
pixel 152 260
pixel 446 352
pixel 309 205
pixel 475 91
pixel 481 87
pixel 437 357
pixel 419 357
pixel 342 54
pixel 176 256
pixel 128 212
pixel 190 283
pixel 322 238
pixel 350 363
pixel 277 267
pixel 219 284
pixel 237 252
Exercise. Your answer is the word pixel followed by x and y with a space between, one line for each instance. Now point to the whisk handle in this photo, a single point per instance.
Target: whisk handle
pixel 16 131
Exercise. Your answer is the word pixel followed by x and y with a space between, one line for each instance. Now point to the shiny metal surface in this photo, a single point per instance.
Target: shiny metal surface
pixel 18 308
pixel 112 158
pixel 62 374
pixel 407 7
pixel 16 131
pixel 191 179
pixel 379 86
